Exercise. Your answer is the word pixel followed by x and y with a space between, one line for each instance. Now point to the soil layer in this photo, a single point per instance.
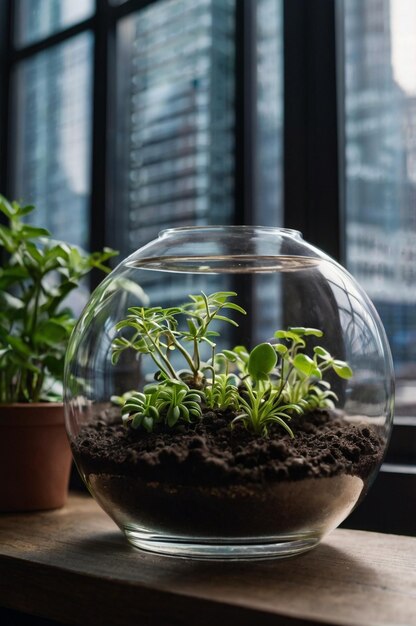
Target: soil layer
pixel 210 453
pixel 209 481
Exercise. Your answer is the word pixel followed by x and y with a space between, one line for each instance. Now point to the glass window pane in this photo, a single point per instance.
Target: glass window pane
pixel 176 99
pixel 36 19
pixel 380 152
pixel 269 151
pixel 269 145
pixel 51 154
pixel 176 123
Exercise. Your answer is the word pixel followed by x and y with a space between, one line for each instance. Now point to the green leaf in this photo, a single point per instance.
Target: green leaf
pixel 137 420
pixel 226 319
pixel 342 369
pixel 185 412
pixel 301 330
pixel 51 333
pixel 322 352
pixel 11 275
pixel 223 294
pixel 192 327
pixel 212 333
pixel 242 352
pixel 234 307
pixel 7 239
pixel 3 352
pixel 6 208
pixel 148 424
pixel 36 255
pixel 230 355
pixel 55 366
pixel 174 414
pixel 290 336
pixel 33 232
pixel 141 346
pixel 262 360
pixel 304 364
pixel 19 346
pixel 24 210
pixel 281 349
pixel 24 364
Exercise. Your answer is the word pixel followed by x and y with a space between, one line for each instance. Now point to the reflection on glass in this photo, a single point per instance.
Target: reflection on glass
pixel 176 117
pixel 36 19
pixel 52 95
pixel 380 126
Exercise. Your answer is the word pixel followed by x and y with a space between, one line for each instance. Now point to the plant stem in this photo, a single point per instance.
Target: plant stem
pixel 186 356
pixel 196 357
pixel 169 369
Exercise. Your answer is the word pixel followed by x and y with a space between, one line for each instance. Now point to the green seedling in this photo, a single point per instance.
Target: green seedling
pixel 259 389
pixel 169 403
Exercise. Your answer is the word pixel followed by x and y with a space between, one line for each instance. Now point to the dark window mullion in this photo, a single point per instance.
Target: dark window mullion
pixel 244 139
pixel 245 111
pixel 340 74
pixel 103 39
pixel 113 13
pixel 19 53
pixel 131 6
pixel 311 175
pixel 5 81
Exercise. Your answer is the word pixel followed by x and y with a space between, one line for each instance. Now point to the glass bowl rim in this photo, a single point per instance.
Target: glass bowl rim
pixel 233 228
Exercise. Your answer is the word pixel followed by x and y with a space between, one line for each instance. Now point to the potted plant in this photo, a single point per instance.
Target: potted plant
pixel 36 276
pixel 200 440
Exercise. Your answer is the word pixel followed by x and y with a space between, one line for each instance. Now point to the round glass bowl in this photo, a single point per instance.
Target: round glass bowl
pixel 210 438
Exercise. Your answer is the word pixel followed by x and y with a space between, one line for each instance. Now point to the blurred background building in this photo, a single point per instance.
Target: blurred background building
pixel 380 144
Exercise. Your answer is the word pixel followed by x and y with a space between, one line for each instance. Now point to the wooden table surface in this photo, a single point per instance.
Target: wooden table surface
pixel 74 566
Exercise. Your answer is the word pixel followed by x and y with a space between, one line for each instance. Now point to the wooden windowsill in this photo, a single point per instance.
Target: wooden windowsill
pixel 74 566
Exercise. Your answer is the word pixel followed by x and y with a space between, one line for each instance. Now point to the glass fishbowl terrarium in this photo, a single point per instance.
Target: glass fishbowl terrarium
pixel 228 393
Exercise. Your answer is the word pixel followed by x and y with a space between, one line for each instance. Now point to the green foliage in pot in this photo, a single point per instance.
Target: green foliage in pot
pixel 36 275
pixel 259 388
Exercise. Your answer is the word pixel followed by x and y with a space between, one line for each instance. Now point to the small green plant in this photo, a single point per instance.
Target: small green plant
pixel 155 332
pixel 36 275
pixel 261 388
pixel 301 376
pixel 169 402
pixel 140 409
pixel 222 393
pixel 261 404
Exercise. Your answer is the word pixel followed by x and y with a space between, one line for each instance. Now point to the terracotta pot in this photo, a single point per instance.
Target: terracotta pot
pixel 35 457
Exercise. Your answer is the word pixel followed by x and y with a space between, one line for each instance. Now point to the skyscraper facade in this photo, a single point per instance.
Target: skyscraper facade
pixel 52 127
pixel 380 145
pixel 176 98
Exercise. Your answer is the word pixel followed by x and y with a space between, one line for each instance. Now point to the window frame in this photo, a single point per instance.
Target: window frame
pixel 313 188
pixel 102 25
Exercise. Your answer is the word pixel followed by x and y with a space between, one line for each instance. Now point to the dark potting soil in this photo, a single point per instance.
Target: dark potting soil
pixel 209 453
pixel 207 481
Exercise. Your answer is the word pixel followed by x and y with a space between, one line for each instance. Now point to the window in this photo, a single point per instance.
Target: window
pixel 175 111
pixel 36 19
pixel 380 144
pixel 52 95
pixel 379 116
pixel 269 113
pixel 124 117
pixel 96 160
